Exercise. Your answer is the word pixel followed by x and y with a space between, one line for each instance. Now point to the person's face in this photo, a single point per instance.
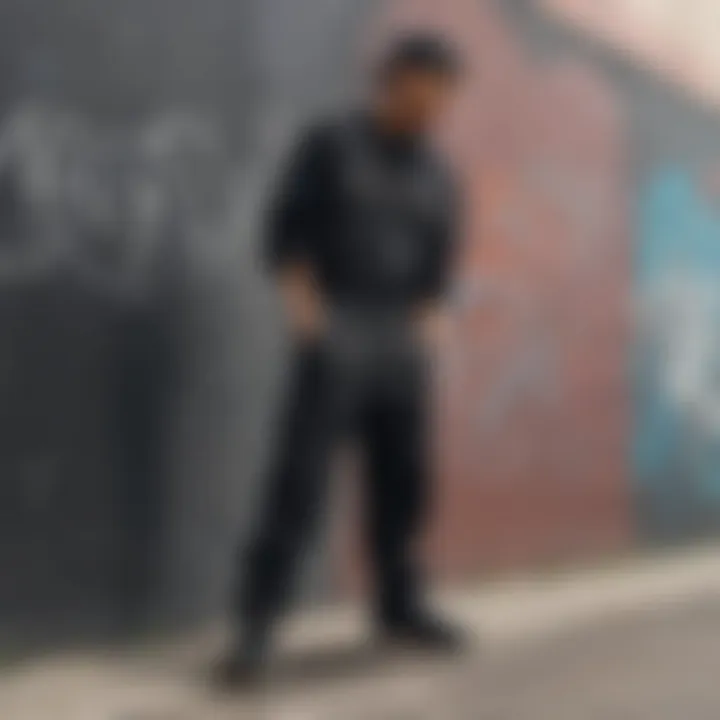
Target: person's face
pixel 415 99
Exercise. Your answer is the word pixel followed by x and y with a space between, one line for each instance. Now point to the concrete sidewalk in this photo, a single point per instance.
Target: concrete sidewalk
pixel 328 672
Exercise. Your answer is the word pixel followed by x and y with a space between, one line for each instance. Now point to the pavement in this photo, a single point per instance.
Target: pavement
pixel 637 640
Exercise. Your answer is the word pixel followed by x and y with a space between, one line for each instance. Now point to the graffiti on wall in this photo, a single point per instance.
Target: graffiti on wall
pixel 532 420
pixel 677 441
pixel 95 222
pixel 99 200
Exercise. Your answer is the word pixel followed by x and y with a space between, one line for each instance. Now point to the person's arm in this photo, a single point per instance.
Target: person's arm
pixel 443 240
pixel 295 215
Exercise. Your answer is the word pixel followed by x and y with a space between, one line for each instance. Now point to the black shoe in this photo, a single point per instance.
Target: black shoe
pixel 424 633
pixel 244 667
pixel 236 672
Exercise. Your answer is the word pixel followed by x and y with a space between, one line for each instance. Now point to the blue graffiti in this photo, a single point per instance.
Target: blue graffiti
pixel 677 360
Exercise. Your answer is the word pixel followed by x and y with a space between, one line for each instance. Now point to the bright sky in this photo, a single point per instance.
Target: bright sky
pixel 679 38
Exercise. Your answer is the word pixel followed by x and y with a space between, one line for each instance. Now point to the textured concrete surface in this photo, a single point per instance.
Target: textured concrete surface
pixel 633 642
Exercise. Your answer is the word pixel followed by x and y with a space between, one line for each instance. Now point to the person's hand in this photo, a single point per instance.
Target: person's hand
pixel 433 326
pixel 303 304
pixel 307 316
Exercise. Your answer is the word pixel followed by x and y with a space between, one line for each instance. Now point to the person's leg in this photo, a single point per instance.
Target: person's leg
pixel 395 439
pixel 398 446
pixel 315 414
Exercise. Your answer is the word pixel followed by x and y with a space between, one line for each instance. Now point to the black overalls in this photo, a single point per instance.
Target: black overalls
pixel 373 216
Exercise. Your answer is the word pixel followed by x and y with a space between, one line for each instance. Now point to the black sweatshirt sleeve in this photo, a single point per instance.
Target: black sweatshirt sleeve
pixel 295 210
pixel 443 241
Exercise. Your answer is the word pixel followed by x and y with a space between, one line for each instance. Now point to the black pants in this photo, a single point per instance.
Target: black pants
pixel 371 386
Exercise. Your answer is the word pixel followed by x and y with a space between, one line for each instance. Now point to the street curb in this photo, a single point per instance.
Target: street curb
pixel 526 608
pixel 163 681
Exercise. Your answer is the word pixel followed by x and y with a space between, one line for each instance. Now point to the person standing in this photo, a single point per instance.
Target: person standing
pixel 360 237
